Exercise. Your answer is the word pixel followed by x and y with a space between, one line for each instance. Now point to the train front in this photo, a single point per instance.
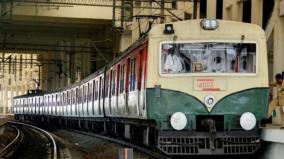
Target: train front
pixel 207 86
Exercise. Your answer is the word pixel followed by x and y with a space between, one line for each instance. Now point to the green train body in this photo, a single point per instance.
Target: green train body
pixel 163 103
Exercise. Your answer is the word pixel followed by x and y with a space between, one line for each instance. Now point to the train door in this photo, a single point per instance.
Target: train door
pixel 35 105
pixel 28 105
pixel 95 97
pixel 142 57
pixel 45 105
pixel 69 101
pixel 112 91
pixel 107 93
pixel 58 104
pixel 132 87
pixel 78 98
pixel 101 95
pixel 32 106
pixel 80 101
pixel 41 105
pixel 24 105
pixel 65 102
pixel 48 105
pixel 83 96
pixel 21 106
pixel 90 98
pixel 85 105
pixel 121 102
pixel 73 100
pixel 62 98
pixel 38 106
pixel 53 104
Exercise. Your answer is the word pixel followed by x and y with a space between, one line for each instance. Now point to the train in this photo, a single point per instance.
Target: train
pixel 193 87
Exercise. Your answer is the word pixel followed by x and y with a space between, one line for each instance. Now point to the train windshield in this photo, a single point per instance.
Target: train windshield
pixel 208 57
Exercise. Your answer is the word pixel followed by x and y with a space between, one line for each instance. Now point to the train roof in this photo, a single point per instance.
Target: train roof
pixel 226 29
pixel 32 93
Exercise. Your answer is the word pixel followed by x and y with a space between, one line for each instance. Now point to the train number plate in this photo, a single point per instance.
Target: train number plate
pixel 209 84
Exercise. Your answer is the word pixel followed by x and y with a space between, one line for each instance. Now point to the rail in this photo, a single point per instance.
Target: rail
pixel 8 148
pixel 44 132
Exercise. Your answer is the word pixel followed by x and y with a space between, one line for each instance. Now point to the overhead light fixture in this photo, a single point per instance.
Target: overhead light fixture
pixel 169 29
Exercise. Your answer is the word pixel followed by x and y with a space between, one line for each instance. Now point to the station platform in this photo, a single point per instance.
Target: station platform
pixel 273 136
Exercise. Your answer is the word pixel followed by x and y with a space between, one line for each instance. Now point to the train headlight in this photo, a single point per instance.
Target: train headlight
pixel 247 121
pixel 178 121
pixel 209 24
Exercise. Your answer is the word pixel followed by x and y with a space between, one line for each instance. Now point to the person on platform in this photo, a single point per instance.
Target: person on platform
pixel 279 100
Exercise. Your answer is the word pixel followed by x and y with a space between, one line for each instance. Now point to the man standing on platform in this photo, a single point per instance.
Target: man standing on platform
pixel 279 101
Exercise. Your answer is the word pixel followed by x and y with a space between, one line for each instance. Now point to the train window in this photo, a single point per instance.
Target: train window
pixel 210 57
pixel 122 79
pixel 132 74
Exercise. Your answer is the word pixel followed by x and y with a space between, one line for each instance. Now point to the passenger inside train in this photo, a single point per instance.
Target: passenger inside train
pixel 208 58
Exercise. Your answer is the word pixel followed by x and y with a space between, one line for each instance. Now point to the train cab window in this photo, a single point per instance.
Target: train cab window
pixel 210 57
pixel 122 79
pixel 132 75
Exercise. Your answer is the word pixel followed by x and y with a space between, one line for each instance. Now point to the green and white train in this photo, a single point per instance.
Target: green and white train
pixel 197 87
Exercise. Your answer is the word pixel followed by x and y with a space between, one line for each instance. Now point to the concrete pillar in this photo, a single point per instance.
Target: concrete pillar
pixel 256 12
pixel 228 10
pixel 278 65
pixel 211 9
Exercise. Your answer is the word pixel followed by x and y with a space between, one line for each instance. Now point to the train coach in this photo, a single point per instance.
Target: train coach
pixel 197 87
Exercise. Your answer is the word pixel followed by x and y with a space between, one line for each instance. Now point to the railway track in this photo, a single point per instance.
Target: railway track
pixel 9 149
pixel 53 147
pixel 150 152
